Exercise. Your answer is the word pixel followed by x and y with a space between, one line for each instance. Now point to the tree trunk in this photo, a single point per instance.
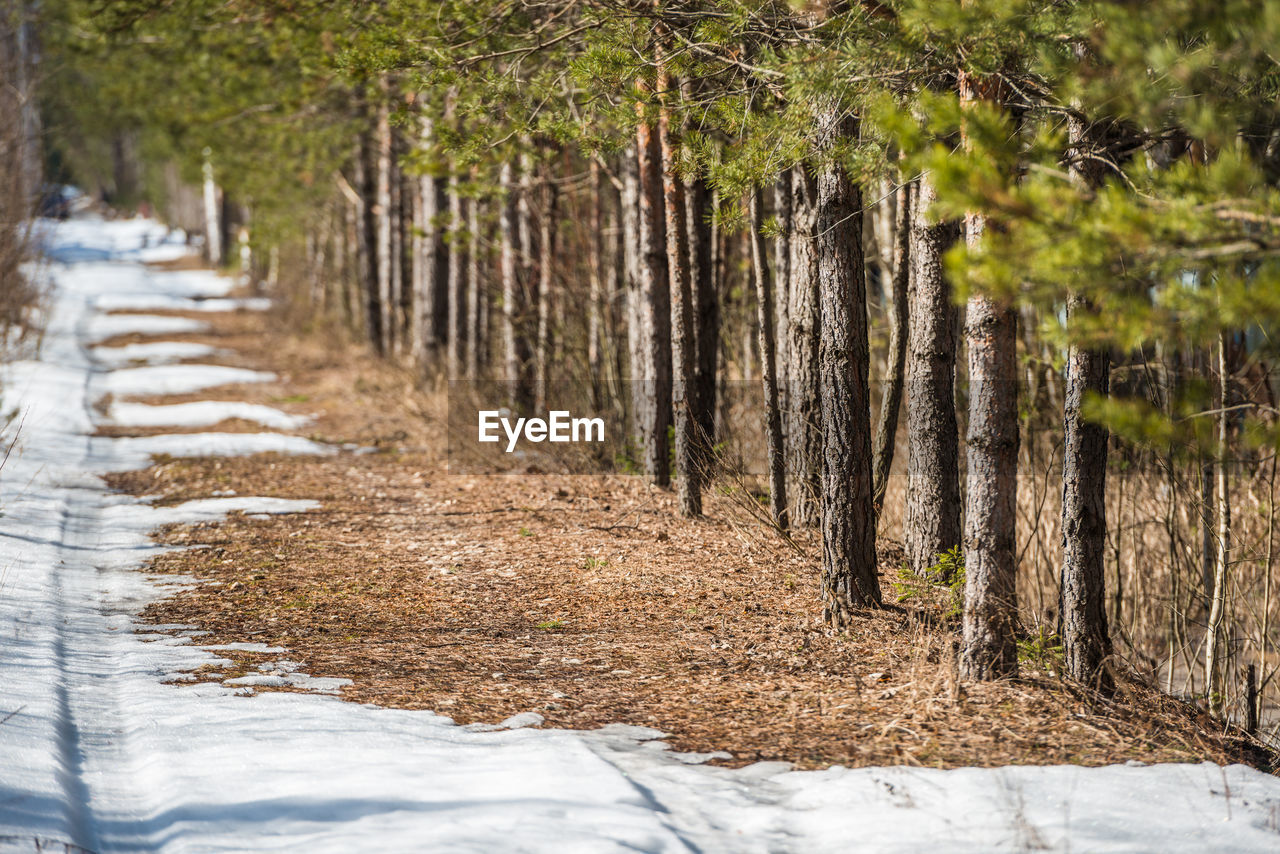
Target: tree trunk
pixel 803 437
pixel 514 338
pixel 991 605
pixel 431 260
pixel 706 309
pixel 782 283
pixel 688 481
pixel 366 182
pixel 849 577
pixel 653 411
pixel 475 297
pixel 456 349
pixel 382 214
pixel 212 215
pixel 931 523
pixel 891 399
pixel 396 302
pixel 768 364
pixel 595 300
pixel 629 204
pixel 1082 603
pixel 546 261
pixel 1214 664
pixel 1082 599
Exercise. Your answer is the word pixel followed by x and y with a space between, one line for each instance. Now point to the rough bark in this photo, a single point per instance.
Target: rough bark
pixel 803 437
pixel 706 308
pixel 768 364
pixel 1082 602
pixel 991 605
pixel 932 514
pixel 653 407
pixel 1082 598
pixel 891 397
pixel 849 578
pixel 688 480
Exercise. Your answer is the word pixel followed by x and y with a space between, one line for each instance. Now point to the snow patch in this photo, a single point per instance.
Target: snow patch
pixel 151 352
pixel 173 379
pixel 202 413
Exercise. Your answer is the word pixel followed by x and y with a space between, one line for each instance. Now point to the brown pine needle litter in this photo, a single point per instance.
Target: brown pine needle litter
pixel 585 599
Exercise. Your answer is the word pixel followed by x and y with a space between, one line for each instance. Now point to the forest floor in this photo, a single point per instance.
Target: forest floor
pixel 585 599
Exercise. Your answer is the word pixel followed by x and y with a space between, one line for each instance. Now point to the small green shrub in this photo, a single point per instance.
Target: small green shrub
pixel 1043 650
pixel 944 580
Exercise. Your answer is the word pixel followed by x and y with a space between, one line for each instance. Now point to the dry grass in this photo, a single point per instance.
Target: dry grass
pixel 587 600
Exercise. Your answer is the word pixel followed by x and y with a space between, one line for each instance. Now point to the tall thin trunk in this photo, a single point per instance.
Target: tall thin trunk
pixel 891 399
pixel 595 299
pixel 653 410
pixel 417 316
pixel 474 287
pixel 456 355
pixel 1214 652
pixel 931 523
pixel 546 258
pixel 212 214
pixel 431 259
pixel 1082 603
pixel 706 310
pixel 382 214
pixel 849 577
pixel 768 364
pixel 991 604
pixel 688 480
pixel 514 338
pixel 1082 600
pixel 629 211
pixel 782 283
pixel 803 436
pixel 396 300
pixel 367 251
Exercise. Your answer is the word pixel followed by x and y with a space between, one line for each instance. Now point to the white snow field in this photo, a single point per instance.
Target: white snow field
pixel 98 753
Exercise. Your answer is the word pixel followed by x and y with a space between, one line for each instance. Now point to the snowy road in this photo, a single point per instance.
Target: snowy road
pixel 96 752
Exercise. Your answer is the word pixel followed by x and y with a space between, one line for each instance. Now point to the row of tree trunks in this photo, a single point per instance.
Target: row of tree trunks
pixel 420 296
